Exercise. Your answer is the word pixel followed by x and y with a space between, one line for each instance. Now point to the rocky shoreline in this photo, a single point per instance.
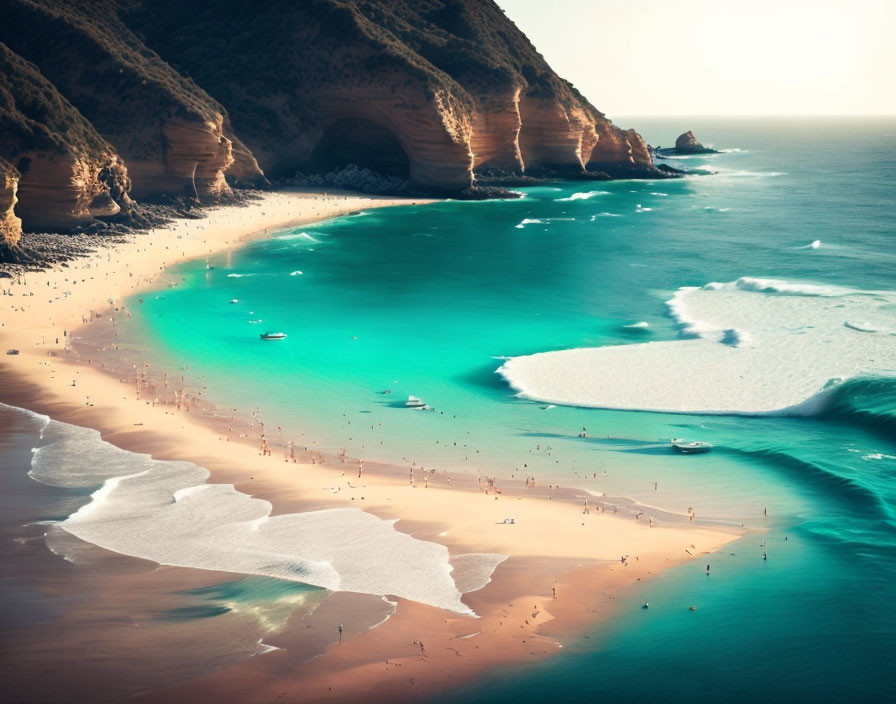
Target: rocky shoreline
pixel 36 251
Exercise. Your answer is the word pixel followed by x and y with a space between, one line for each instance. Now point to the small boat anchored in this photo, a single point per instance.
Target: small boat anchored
pixel 273 336
pixel 690 448
pixel 414 402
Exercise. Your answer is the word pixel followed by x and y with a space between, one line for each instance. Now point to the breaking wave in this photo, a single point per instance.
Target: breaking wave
pixel 754 346
pixel 586 195
pixel 298 236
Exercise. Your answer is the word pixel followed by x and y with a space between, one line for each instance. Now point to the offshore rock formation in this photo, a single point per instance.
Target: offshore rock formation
pixel 431 90
pixel 172 135
pixel 59 169
pixel 687 144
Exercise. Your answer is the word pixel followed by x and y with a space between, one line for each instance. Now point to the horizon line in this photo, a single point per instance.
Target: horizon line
pixel 742 115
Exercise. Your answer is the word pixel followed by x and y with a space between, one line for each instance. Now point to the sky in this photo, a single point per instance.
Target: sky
pixel 720 57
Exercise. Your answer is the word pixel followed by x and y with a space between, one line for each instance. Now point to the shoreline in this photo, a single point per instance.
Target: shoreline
pixel 577 555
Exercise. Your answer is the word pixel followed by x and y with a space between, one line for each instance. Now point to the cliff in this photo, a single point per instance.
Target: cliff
pixel 10 224
pixel 61 171
pixel 431 90
pixel 199 97
pixel 173 136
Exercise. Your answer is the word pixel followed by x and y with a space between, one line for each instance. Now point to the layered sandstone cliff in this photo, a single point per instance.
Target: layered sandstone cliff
pixel 67 173
pixel 436 89
pixel 198 97
pixel 173 136
pixel 10 223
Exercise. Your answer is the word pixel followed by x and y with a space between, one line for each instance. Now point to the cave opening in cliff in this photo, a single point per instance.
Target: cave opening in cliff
pixel 363 143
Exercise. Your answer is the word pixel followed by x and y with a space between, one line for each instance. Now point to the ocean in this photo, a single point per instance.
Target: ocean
pixel 751 304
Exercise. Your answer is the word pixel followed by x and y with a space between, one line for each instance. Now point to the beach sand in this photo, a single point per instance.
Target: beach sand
pixel 551 546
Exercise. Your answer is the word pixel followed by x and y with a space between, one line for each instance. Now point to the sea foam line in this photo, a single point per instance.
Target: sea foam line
pixel 167 512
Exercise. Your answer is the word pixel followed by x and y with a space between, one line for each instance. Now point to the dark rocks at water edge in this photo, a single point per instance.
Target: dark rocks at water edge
pixel 685 144
pixel 38 251
pixel 35 251
pixel 363 180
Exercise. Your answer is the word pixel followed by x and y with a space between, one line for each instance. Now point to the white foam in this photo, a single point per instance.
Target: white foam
pixel 734 173
pixel 758 346
pixel 299 236
pixel 265 648
pixel 585 195
pixel 869 326
pixel 238 276
pixel 472 571
pixel 167 512
pixel 605 215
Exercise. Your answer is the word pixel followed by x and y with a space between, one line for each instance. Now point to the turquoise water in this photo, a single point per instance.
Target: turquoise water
pixel 427 300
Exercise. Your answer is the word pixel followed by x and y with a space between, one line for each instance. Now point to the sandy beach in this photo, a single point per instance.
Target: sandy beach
pixel 563 569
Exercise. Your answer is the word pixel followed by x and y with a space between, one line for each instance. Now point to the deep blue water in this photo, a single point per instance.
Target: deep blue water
pixel 426 300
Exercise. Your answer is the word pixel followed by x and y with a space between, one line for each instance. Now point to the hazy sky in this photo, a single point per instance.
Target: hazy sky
pixel 712 57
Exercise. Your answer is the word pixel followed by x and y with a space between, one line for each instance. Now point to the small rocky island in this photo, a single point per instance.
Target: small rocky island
pixel 687 144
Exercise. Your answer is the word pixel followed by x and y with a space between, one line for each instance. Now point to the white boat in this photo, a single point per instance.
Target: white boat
pixel 690 448
pixel 234 300
pixel 272 335
pixel 414 402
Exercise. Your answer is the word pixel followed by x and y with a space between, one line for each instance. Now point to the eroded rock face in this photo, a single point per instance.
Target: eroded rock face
pixel 456 83
pixel 173 135
pixel 553 136
pixel 194 161
pixel 61 192
pixel 67 173
pixel 430 91
pixel 10 223
pixel 495 138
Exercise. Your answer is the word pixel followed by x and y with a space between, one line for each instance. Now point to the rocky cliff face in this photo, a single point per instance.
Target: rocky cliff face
pixel 442 88
pixel 432 91
pixel 10 224
pixel 173 136
pixel 67 173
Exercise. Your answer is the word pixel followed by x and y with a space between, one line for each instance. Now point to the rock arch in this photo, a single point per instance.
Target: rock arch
pixel 429 136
